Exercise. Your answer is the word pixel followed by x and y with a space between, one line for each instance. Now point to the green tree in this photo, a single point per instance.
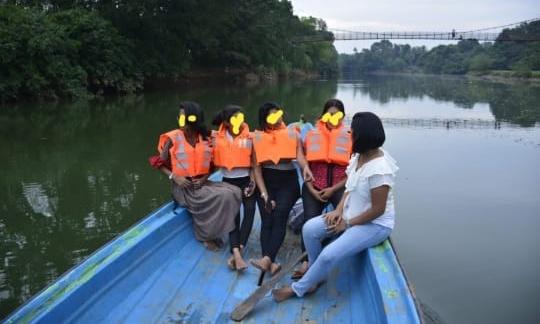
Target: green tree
pixel 62 54
pixel 480 62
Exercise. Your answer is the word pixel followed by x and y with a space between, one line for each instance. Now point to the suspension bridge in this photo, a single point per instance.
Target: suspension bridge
pixel 489 34
pixel 452 123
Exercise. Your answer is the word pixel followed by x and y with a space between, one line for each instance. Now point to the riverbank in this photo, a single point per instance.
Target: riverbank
pixel 238 76
pixel 193 77
pixel 506 75
pixel 503 76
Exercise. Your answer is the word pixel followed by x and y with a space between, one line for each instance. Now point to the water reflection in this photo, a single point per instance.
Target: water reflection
pixel 516 102
pixel 75 174
pixel 38 200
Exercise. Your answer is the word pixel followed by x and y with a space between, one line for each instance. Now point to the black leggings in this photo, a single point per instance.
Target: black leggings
pixel 314 207
pixel 240 234
pixel 283 188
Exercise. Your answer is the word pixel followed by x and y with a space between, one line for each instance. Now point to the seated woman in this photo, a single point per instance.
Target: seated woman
pixel 364 216
pixel 185 158
pixel 233 147
pixel 276 145
pixel 328 151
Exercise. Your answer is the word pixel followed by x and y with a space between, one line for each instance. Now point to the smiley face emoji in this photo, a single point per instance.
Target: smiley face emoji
pixel 274 117
pixel 182 119
pixel 333 119
pixel 236 122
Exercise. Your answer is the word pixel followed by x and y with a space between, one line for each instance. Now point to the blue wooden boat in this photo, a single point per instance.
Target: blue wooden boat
pixel 157 272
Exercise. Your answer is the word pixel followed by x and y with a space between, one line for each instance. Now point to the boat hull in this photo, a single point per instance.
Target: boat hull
pixel 157 272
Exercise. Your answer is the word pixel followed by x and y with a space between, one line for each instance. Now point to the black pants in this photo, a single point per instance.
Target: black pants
pixel 283 188
pixel 314 207
pixel 240 234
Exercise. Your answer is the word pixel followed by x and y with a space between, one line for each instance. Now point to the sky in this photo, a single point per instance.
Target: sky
pixel 414 15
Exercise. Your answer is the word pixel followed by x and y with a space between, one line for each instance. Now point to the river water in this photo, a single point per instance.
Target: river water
pixel 74 175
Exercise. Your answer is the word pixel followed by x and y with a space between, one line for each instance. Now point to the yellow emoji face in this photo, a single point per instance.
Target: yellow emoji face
pixel 333 119
pixel 182 120
pixel 236 122
pixel 274 117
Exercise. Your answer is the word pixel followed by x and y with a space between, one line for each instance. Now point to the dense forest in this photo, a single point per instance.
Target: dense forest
pixel 62 48
pixel 464 57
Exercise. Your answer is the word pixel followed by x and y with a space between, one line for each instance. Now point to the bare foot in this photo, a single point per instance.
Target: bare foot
pixel 299 273
pixel 231 263
pixel 240 264
pixel 275 268
pixel 262 264
pixel 282 293
pixel 211 245
pixel 219 243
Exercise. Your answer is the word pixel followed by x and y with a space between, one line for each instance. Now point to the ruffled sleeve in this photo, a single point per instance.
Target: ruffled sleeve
pixel 353 162
pixel 383 165
pixel 379 180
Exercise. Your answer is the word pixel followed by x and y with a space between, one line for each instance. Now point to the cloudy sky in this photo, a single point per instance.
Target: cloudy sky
pixel 414 15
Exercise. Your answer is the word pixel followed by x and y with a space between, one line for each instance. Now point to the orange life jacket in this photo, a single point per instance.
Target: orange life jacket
pixel 274 145
pixel 232 154
pixel 186 160
pixel 330 146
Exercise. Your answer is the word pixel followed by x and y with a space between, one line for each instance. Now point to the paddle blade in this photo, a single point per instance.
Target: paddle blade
pixel 249 303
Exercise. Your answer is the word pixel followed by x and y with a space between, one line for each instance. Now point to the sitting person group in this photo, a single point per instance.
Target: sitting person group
pixel 340 165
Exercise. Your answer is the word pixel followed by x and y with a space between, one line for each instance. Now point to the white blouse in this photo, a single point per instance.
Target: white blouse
pixel 375 173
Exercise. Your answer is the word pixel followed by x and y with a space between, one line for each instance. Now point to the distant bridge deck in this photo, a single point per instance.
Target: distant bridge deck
pixel 342 35
pixel 444 123
pixel 489 34
pixel 352 35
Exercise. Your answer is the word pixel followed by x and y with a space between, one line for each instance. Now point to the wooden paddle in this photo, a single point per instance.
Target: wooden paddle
pixel 247 305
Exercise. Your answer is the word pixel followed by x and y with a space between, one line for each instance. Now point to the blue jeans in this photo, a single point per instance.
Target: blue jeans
pixel 354 240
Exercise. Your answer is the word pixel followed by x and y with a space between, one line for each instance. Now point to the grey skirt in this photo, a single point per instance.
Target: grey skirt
pixel 213 208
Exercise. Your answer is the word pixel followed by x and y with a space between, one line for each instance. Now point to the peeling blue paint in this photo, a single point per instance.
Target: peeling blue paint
pixel 157 272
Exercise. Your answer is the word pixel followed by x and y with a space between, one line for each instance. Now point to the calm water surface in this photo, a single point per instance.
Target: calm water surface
pixel 75 175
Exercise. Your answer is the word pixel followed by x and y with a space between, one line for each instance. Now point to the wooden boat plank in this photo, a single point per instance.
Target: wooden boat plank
pixel 363 291
pixel 148 301
pixel 158 272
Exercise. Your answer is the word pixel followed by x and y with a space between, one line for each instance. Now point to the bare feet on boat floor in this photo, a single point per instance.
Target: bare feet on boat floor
pixel 275 268
pixel 266 265
pixel 219 242
pixel 238 265
pixel 284 293
pixel 262 264
pixel 213 245
pixel 299 273
pixel 230 263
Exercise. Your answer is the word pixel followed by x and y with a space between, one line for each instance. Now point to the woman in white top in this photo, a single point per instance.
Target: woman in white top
pixel 365 214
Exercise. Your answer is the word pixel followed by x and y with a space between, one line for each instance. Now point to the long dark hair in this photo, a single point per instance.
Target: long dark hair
pixel 225 114
pixel 193 108
pixel 367 132
pixel 264 110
